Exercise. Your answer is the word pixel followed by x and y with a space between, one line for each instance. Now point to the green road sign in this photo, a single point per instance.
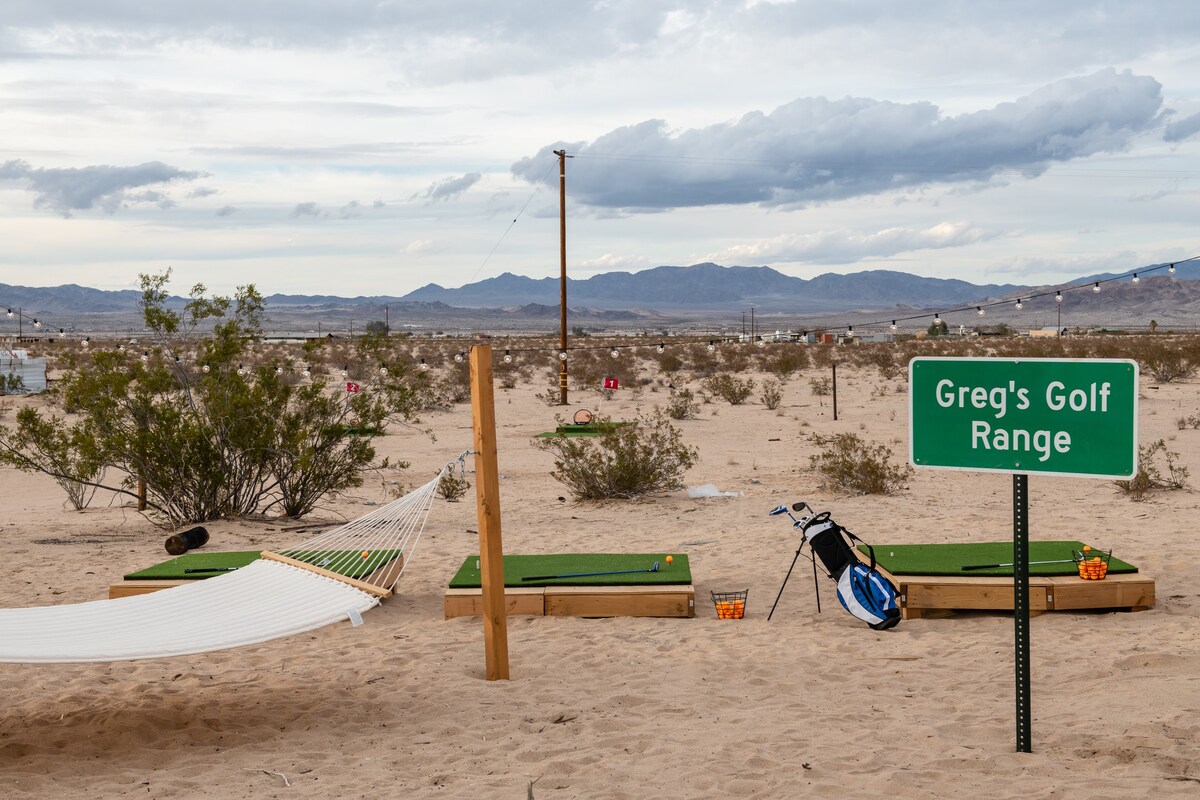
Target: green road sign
pixel 1047 415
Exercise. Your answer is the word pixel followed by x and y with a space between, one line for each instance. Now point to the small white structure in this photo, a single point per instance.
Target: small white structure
pixel 31 371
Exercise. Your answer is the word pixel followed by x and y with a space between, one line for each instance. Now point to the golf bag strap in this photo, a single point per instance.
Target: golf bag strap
pixel 870 550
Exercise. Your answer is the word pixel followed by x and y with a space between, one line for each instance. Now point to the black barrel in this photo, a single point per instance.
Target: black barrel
pixel 190 539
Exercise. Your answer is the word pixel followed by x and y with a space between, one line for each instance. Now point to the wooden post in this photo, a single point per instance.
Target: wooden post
pixel 834 365
pixel 487 500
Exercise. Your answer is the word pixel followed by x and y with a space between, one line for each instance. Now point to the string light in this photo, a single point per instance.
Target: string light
pixel 761 342
pixel 10 313
pixel 205 368
pixel 36 323
pixel 507 357
pixel 893 326
pixel 712 346
pixel 1172 269
pixel 1096 288
pixel 562 355
pixel 345 372
pixel 1058 297
pixel 979 310
pixel 422 365
pixel 86 341
pixel 1136 279
pixel 383 370
pixel 1019 305
pixel 458 358
pixel 62 334
pixel 662 348
pixel 307 372
pixel 278 370
pixel 849 330
pixel 145 356
pixel 614 353
pixel 241 370
pixel 937 319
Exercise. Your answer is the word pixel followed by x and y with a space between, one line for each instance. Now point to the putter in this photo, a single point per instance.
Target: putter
pixel 587 574
pixel 210 569
pixel 1031 563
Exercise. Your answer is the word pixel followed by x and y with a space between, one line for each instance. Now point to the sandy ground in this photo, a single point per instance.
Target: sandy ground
pixel 803 705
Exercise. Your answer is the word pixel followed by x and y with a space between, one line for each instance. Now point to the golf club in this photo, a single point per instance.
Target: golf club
pixel 1031 563
pixel 587 574
pixel 209 569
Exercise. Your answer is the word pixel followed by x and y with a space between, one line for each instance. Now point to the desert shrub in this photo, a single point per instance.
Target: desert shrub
pixel 772 394
pixel 882 358
pixel 849 465
pixel 785 361
pixel 65 453
pixel 209 431
pixel 623 462
pixel 11 383
pixel 820 386
pixel 1165 362
pixel 735 358
pixel 669 362
pixel 1149 477
pixel 452 487
pixel 732 390
pixel 682 405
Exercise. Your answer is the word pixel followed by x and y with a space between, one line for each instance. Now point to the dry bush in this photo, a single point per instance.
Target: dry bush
pixel 732 390
pixel 682 405
pixel 785 361
pixel 849 465
pixel 772 394
pixel 1148 477
pixel 623 462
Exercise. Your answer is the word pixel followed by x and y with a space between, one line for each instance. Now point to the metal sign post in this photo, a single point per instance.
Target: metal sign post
pixel 1075 417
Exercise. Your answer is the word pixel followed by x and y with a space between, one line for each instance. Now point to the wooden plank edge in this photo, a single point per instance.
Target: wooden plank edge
pixel 363 586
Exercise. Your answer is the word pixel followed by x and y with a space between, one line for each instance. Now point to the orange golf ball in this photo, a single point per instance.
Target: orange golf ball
pixel 366 553
pixel 669 560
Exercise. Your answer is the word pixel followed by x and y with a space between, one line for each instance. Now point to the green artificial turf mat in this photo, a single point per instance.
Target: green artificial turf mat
pixel 589 429
pixel 175 568
pixel 519 566
pixel 948 559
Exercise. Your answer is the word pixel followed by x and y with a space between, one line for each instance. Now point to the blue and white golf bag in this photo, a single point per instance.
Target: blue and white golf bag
pixel 861 589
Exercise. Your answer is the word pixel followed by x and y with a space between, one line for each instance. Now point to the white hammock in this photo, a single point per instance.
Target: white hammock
pixel 281 594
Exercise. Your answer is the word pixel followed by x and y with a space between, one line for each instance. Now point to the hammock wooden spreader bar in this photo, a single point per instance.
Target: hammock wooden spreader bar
pixel 336 576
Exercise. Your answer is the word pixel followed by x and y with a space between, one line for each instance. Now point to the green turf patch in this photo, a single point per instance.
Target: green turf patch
pixel 949 559
pixel 588 429
pixel 208 564
pixel 517 567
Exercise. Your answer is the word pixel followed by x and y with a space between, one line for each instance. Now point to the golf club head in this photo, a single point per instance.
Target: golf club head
pixel 801 506
pixel 654 568
pixel 779 510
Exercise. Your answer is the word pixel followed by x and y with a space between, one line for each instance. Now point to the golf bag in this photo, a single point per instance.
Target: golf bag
pixel 863 592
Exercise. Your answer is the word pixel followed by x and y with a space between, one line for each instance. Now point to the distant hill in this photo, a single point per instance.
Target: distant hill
pixel 713 287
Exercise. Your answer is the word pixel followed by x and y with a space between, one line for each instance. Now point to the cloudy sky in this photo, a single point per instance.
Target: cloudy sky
pixel 373 146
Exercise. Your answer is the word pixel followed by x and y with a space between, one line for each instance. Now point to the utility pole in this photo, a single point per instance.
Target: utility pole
pixel 562 251
pixel 387 321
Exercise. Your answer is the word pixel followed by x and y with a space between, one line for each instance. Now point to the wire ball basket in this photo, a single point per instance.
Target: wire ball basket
pixel 1092 564
pixel 730 605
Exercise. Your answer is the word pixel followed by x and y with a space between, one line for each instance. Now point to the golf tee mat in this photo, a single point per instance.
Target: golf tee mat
pixel 930 578
pixel 667 592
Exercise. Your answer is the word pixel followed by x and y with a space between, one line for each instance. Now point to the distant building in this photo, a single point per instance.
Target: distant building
pixel 31 371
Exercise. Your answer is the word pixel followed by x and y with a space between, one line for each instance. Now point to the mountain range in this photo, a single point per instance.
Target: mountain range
pixel 655 294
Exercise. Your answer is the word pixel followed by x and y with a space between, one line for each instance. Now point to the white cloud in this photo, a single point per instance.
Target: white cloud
pixel 847 247
pixel 71 189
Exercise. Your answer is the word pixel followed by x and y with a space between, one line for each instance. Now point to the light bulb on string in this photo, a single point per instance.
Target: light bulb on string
pixel 1136 279
pixel 1019 305
pixel 712 346
pixel 86 341
pixel 1096 287
pixel 662 348
pixel 383 370
pixel 979 310
pixel 145 356
pixel 10 313
pixel 1058 297
pixel 241 370
pixel 614 353
pixel 507 357
pixel 62 334
pixel 278 370
pixel 205 368
pixel 761 342
pixel 345 372
pixel 893 326
pixel 307 372
pixel 458 358
pixel 176 360
pixel 937 319
pixel 1171 269
pixel 849 330
pixel 36 323
pixel 423 366
pixel 562 355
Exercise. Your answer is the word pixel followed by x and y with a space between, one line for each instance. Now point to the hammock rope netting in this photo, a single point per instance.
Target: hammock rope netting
pixel 335 576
